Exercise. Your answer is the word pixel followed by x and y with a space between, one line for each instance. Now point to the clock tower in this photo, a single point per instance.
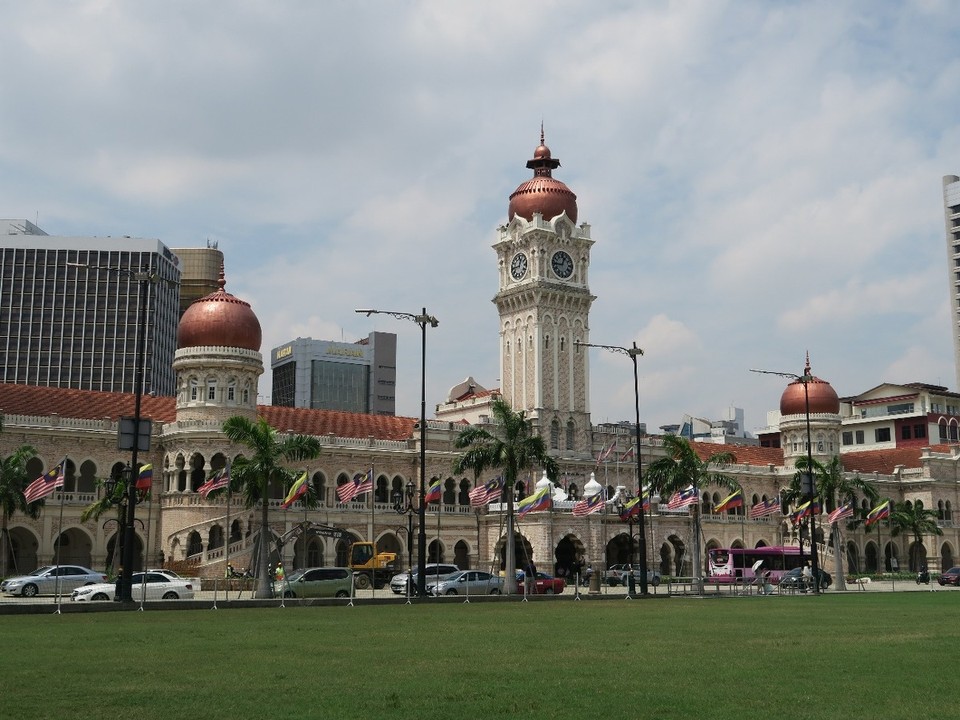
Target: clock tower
pixel 544 305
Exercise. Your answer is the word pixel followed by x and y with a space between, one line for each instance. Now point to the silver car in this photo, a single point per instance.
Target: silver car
pixel 432 571
pixel 51 579
pixel 467 582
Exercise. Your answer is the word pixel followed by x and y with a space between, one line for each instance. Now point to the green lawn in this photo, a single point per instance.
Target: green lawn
pixel 884 655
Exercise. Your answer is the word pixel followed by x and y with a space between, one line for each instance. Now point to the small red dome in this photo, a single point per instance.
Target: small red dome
pixel 821 395
pixel 220 319
pixel 542 194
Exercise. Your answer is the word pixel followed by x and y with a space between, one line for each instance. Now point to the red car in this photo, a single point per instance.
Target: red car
pixel 950 577
pixel 543 584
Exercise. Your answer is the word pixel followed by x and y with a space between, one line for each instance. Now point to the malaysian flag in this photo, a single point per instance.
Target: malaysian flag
pixel 627 455
pixel 220 479
pixel 683 499
pixel 487 493
pixel 841 513
pixel 589 505
pixel 605 453
pixel 361 483
pixel 45 484
pixel 764 508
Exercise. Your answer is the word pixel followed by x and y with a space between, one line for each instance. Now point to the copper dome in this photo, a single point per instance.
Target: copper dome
pixel 542 194
pixel 219 319
pixel 823 398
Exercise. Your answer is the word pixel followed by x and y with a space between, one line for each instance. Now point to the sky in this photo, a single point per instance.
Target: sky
pixel 762 179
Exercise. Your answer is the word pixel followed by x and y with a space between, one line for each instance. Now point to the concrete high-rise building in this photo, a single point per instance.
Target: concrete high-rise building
pixel 76 327
pixel 951 212
pixel 326 375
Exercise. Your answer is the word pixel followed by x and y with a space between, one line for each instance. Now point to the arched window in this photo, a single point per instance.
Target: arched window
pixel 571 434
pixel 555 435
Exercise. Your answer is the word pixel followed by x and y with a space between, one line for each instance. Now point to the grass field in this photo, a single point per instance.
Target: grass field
pixel 883 655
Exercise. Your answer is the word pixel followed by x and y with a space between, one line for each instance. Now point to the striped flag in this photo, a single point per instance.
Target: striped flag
pixel 880 512
pixel 487 493
pixel 145 477
pixel 46 483
pixel 764 508
pixel 434 492
pixel 841 513
pixel 733 500
pixel 646 500
pixel 683 499
pixel 605 453
pixel 361 483
pixel 540 500
pixel 220 479
pixel 628 455
pixel 297 491
pixel 587 506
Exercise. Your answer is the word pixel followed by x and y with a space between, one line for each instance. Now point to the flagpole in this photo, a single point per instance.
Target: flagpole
pixel 373 528
pixel 227 552
pixel 146 551
pixel 60 539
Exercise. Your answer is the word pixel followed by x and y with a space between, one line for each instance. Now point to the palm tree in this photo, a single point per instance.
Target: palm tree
pixel 682 468
pixel 512 447
pixel 834 488
pixel 253 476
pixel 13 481
pixel 115 500
pixel 915 519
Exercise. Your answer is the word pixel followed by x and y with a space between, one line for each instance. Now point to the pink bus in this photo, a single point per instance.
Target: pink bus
pixel 733 564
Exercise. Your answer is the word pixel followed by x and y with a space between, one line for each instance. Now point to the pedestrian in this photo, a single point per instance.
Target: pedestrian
pixel 280 574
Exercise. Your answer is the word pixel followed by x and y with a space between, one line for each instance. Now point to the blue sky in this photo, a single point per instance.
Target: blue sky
pixel 761 178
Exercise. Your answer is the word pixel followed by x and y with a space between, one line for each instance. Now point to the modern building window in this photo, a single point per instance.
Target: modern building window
pixel 905 432
pixel 882 435
pixel 859 436
pixel 919 431
pixel 847 437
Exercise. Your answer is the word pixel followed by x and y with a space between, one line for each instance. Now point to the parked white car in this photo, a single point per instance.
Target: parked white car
pixel 158 586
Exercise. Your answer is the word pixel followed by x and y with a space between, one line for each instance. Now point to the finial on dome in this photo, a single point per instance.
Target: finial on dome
pixel 541 131
pixel 222 282
pixel 806 368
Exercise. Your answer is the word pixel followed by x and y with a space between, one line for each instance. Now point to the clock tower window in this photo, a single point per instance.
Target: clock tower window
pixel 570 434
pixel 555 435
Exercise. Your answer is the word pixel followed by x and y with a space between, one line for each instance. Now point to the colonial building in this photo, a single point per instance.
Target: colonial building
pixel 543 301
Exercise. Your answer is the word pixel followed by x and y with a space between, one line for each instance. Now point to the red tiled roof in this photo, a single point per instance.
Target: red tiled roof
pixel 88 405
pixel 885 461
pixel 83 404
pixel 744 454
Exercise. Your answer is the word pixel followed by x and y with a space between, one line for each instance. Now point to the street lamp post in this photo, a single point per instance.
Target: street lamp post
pixel 408 509
pixel 423 319
pixel 807 485
pixel 631 581
pixel 144 279
pixel 633 353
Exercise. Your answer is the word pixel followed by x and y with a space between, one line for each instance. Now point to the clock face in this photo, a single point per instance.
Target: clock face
pixel 518 266
pixel 562 264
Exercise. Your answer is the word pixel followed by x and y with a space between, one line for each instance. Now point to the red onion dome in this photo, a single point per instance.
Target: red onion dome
pixel 219 319
pixel 542 193
pixel 823 398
